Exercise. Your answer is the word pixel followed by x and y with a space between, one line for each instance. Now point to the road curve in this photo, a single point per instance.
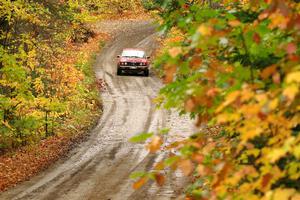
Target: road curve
pixel 98 168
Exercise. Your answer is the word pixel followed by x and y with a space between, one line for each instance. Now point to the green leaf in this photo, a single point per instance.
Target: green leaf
pixel 164 131
pixel 141 137
pixel 170 161
pixel 135 175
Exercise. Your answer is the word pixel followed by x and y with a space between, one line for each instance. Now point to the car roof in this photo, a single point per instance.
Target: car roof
pixel 133 49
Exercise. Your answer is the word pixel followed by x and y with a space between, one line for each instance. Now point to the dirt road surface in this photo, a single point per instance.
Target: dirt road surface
pixel 99 168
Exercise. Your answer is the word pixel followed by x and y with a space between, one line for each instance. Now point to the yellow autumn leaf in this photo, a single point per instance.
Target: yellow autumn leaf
pixel 296 196
pixel 249 131
pixel 296 151
pixel 283 194
pixel 247 95
pixel 273 104
pixel 228 117
pixel 293 77
pixel 231 97
pixel 277 153
pixel 205 30
pixel 248 195
pixel 7 125
pixel 262 99
pixel 291 91
pixel 38 85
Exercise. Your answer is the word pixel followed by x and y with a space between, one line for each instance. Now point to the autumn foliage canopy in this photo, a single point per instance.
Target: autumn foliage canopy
pixel 44 85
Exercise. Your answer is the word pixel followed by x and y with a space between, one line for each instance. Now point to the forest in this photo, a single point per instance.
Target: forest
pixel 46 88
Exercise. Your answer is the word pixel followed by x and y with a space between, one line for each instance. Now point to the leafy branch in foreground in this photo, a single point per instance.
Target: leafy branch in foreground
pixel 236 68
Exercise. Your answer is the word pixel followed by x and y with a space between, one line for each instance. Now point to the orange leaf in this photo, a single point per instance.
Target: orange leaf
pixel 160 179
pixel 186 166
pixel 140 183
pixel 222 174
pixel 190 105
pixel 210 74
pixel 170 72
pixel 155 144
pixel 212 92
pixel 159 166
pixel 266 180
pixel 201 170
pixel 278 20
pixel 276 78
pixel 234 23
pixel 175 51
pixel 256 38
pixel 263 15
pixel 291 48
pixel 268 71
pixel 198 158
pixel 195 62
pixel 174 145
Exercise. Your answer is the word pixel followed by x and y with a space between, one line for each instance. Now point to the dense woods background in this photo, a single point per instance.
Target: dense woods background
pixel 40 88
pixel 44 85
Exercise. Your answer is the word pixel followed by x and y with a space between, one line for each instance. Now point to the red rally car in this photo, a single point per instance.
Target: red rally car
pixel 133 60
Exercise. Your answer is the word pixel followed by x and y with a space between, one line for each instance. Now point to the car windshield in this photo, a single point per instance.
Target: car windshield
pixel 133 53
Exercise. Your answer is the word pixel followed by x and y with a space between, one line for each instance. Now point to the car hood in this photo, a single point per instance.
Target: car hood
pixel 133 60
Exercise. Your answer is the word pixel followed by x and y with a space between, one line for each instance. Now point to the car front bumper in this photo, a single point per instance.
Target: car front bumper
pixel 133 68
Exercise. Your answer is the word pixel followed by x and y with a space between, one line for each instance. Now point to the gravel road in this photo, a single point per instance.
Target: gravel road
pixel 99 168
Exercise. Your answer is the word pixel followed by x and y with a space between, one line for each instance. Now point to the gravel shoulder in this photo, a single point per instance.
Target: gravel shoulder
pixel 99 168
